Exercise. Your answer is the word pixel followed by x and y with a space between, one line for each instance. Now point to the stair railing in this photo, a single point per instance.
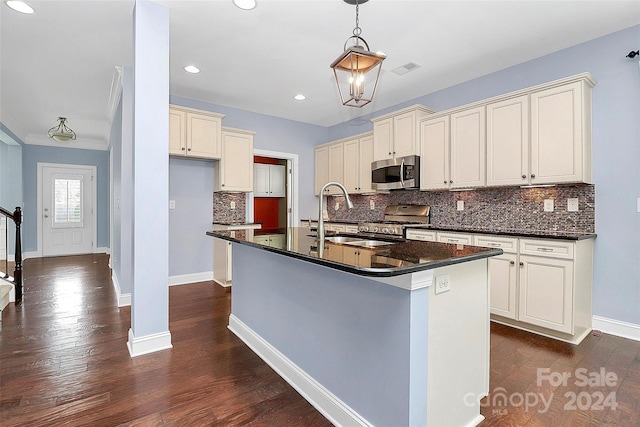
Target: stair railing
pixel 16 216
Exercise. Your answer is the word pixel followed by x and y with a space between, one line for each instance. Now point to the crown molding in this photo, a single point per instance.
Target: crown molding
pixel 81 143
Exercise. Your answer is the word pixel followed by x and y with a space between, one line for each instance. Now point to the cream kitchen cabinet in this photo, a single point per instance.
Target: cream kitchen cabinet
pixel 561 133
pixel 453 150
pixel 398 134
pixel 194 133
pixel 329 166
pixel 272 240
pixel 423 235
pixel 357 256
pixel 222 265
pixel 358 155
pixel 456 238
pixel 269 180
pixel 503 274
pixel 508 142
pixel 235 169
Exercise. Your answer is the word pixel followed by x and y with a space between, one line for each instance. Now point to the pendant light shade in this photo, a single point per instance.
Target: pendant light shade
pixel 61 132
pixel 357 69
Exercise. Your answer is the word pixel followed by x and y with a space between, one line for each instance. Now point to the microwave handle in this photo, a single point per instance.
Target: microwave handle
pixel 402 173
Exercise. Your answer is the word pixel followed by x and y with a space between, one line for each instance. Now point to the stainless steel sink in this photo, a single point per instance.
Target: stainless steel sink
pixel 357 241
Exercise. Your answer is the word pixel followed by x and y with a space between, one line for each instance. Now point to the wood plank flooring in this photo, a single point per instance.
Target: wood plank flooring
pixel 64 361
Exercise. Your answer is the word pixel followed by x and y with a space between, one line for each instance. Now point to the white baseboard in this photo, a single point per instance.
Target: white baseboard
pixel 617 328
pixel 31 254
pixel 149 343
pixel 101 250
pixel 335 410
pixel 124 300
pixel 182 279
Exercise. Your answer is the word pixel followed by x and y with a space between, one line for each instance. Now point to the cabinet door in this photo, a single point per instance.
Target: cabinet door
pixel 434 159
pixel 203 136
pixel 383 139
pixel 364 164
pixel 322 168
pixel 503 285
pixel 468 148
pixel 336 167
pixel 546 293
pixel 260 180
pixel 177 132
pixel 352 166
pixel 508 142
pixel 277 181
pixel 557 134
pixel 404 135
pixel 236 165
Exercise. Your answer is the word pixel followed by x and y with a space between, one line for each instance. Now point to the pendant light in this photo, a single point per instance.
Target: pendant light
pixel 61 132
pixel 357 69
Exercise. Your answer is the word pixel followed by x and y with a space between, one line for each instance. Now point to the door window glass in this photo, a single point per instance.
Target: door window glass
pixel 68 201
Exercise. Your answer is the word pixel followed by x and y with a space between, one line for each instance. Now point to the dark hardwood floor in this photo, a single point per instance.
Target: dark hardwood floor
pixel 64 361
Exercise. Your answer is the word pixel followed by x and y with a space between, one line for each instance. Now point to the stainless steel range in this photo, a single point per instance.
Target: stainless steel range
pixel 397 218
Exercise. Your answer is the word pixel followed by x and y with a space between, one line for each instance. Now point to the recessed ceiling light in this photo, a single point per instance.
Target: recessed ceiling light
pixel 192 69
pixel 245 4
pixel 19 6
pixel 299 97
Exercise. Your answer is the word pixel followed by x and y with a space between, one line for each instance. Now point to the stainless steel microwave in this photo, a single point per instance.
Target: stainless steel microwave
pixel 394 174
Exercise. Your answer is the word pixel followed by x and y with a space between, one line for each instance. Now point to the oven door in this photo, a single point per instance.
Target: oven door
pixel 398 173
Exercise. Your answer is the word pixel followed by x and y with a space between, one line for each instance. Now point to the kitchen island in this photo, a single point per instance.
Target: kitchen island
pixel 359 330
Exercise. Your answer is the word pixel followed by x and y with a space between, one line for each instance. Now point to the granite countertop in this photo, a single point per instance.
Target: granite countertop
pixel 516 232
pixel 396 258
pixel 235 225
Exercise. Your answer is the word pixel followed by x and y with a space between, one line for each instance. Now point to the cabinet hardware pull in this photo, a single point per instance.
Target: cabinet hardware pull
pixel 545 249
pixel 445 181
pixel 188 149
pixel 521 264
pixel 494 244
pixel 533 175
pixel 512 262
pixel 182 148
pixel 451 182
pixel 453 240
pixel 524 176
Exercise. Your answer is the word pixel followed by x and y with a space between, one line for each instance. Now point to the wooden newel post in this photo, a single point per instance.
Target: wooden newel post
pixel 17 272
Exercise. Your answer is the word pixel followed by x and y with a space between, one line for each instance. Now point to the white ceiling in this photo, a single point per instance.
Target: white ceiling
pixel 61 60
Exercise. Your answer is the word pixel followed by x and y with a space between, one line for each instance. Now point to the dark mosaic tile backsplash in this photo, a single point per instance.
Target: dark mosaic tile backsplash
pixel 222 211
pixel 496 208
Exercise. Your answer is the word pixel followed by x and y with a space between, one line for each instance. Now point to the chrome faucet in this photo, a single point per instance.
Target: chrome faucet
pixel 321 207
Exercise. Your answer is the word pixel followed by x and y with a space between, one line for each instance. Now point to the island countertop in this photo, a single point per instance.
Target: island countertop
pixel 396 258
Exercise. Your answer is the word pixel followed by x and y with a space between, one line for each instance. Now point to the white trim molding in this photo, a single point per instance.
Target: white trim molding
pixel 334 409
pixel 149 343
pixel 124 300
pixel 617 328
pixel 183 279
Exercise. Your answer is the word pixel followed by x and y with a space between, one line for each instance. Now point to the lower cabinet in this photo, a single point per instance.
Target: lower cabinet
pixel 539 285
pixel 273 240
pixel 222 262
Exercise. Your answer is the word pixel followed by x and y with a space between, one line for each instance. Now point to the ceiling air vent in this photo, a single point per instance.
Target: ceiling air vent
pixel 404 69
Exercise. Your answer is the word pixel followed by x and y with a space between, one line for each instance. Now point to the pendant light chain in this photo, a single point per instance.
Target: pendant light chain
pixel 357 30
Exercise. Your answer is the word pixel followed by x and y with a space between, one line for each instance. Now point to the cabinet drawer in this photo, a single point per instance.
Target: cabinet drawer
pixel 425 236
pixel 351 228
pixel 458 238
pixel 547 248
pixel 507 244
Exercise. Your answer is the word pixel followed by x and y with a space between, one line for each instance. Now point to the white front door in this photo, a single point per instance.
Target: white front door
pixel 67 214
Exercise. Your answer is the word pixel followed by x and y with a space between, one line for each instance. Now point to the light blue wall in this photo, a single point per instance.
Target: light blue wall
pixel 275 134
pixel 616 151
pixel 191 186
pixel 10 179
pixel 31 155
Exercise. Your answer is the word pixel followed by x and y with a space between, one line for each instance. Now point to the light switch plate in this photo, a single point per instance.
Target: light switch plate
pixel 172 204
pixel 337 206
pixel 548 205
pixel 460 205
pixel 233 205
pixel 372 204
pixel 572 205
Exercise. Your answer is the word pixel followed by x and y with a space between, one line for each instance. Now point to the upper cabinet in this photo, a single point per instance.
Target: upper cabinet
pixel 539 135
pixel 397 134
pixel 508 142
pixel 194 133
pixel 347 161
pixel 358 155
pixel 268 180
pixel 329 167
pixel 561 134
pixel 453 150
pixel 235 171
